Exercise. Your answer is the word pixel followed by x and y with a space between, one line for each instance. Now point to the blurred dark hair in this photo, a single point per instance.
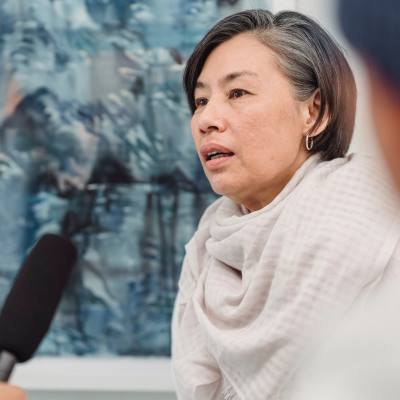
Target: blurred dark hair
pixel 307 55
pixel 374 28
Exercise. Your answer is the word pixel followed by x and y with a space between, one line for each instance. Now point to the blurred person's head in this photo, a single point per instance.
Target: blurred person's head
pixel 258 84
pixel 8 392
pixel 373 27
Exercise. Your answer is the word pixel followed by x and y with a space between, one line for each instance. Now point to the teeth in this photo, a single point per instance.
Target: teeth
pixel 219 156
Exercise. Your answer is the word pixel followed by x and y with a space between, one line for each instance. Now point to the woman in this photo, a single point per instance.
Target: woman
pixel 301 230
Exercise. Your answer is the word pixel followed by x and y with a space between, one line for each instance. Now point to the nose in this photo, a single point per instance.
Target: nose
pixel 211 119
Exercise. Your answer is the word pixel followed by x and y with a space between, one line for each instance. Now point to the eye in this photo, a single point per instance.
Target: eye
pixel 236 93
pixel 201 102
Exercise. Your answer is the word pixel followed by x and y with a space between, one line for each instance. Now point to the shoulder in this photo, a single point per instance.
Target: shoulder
pixel 352 195
pixel 355 178
pixel 356 166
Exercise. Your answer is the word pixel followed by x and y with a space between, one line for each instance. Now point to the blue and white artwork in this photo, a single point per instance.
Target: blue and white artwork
pixel 95 144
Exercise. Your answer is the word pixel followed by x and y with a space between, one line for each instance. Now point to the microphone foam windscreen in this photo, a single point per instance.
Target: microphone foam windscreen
pixel 33 299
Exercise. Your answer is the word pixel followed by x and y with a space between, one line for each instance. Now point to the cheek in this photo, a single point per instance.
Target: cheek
pixel 271 129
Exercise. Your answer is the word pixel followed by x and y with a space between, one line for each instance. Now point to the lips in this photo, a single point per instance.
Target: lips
pixel 216 160
pixel 212 147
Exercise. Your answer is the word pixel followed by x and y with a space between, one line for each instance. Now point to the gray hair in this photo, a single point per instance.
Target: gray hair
pixel 307 55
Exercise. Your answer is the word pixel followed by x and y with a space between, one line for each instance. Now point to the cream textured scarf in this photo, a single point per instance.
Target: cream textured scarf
pixel 258 290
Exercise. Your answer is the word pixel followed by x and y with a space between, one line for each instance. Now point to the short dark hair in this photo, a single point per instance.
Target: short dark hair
pixel 307 55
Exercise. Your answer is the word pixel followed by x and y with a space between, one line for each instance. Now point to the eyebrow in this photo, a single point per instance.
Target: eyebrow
pixel 228 78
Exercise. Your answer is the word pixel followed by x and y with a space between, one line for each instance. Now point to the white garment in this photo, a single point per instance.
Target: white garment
pixel 257 291
pixel 360 358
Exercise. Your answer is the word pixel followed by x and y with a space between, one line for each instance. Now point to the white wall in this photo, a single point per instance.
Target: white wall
pixel 72 395
pixel 114 378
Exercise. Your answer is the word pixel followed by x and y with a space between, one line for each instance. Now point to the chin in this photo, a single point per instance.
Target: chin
pixel 225 188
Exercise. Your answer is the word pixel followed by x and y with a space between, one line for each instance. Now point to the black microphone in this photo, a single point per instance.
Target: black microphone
pixel 33 299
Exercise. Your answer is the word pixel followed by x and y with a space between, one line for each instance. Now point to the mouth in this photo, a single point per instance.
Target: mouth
pixel 217 154
pixel 213 151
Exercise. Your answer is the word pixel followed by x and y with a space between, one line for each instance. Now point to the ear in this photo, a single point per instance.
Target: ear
pixel 310 112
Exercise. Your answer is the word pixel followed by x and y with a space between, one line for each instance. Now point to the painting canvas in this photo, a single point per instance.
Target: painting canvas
pixel 95 144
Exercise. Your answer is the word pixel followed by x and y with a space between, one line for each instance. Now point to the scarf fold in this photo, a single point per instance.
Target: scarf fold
pixel 258 290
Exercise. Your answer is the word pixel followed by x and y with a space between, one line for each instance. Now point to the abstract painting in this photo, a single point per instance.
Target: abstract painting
pixel 95 144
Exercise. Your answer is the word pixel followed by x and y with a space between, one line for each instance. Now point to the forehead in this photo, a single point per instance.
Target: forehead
pixel 243 52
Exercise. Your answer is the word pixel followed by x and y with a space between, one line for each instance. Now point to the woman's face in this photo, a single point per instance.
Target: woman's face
pixel 246 110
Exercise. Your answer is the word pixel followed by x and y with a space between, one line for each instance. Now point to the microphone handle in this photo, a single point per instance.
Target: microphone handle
pixel 7 362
